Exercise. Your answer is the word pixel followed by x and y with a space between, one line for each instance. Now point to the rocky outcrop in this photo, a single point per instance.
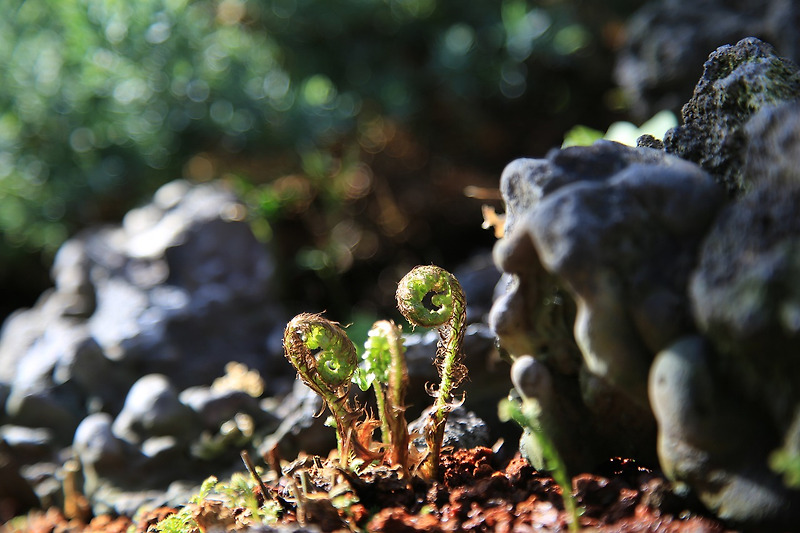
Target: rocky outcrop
pixel 599 246
pixel 666 43
pixel 738 81
pixel 685 298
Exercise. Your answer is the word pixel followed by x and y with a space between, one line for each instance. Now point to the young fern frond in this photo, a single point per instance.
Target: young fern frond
pixel 325 360
pixel 430 296
pixel 385 369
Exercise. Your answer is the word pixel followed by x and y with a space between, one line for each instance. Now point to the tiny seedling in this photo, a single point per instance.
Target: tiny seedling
pixel 525 411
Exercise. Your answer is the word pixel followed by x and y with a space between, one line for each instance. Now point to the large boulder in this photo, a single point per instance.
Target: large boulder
pixel 686 299
pixel 598 247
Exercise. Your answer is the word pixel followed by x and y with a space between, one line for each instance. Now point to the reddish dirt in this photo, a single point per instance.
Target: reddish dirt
pixel 474 493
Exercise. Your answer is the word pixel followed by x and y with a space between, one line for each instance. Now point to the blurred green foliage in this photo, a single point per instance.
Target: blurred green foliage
pixel 622 132
pixel 292 101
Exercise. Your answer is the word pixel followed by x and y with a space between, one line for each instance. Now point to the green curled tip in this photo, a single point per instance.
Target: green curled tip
pixel 429 295
pixel 321 352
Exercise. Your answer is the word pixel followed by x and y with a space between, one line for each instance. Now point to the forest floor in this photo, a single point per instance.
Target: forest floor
pixel 473 493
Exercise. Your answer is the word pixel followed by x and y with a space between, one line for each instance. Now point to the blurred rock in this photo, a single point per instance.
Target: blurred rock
pixel 16 494
pixel 773 149
pixel 152 409
pixel 703 442
pixel 27 444
pixel 215 406
pixel 138 313
pixel 667 42
pixel 302 426
pixel 133 300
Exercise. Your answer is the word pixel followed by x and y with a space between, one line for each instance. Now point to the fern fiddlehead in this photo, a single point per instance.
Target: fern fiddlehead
pixel 325 360
pixel 430 296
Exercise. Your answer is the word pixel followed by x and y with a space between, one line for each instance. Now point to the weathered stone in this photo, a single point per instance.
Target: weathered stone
pixel 215 406
pixel 599 244
pixel 16 494
pixel 463 430
pixel 302 426
pixel 666 43
pixel 104 457
pixel 737 82
pixel 28 444
pixel 714 440
pixel 746 296
pixel 773 147
pixel 152 409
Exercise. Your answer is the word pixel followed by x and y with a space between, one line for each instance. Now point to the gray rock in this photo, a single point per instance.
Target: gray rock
pixel 16 495
pixel 152 409
pixel 703 443
pixel 737 82
pixel 773 149
pixel 618 228
pixel 463 430
pixel 96 445
pixel 70 272
pixel 666 43
pixel 302 427
pixel 216 406
pixel 746 297
pixel 599 245
pixel 105 458
pixel 27 444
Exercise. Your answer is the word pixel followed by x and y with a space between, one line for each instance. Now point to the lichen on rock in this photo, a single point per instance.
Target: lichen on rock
pixel 738 81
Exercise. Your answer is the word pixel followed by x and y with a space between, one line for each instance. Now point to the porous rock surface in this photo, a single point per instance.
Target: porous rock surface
pixel 666 43
pixel 681 292
pixel 738 81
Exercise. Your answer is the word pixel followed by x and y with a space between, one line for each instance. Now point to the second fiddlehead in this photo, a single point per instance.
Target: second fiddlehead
pixel 385 370
pixel 430 296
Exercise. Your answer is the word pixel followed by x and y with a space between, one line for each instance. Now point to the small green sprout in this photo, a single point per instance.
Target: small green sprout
pixel 183 521
pixel 325 360
pixel 384 369
pixel 525 411
pixel 430 296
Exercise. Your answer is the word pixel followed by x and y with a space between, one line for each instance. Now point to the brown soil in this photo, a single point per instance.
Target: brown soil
pixel 474 493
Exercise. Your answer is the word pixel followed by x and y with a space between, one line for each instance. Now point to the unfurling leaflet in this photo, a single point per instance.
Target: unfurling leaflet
pixel 325 360
pixel 430 296
pixel 384 368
